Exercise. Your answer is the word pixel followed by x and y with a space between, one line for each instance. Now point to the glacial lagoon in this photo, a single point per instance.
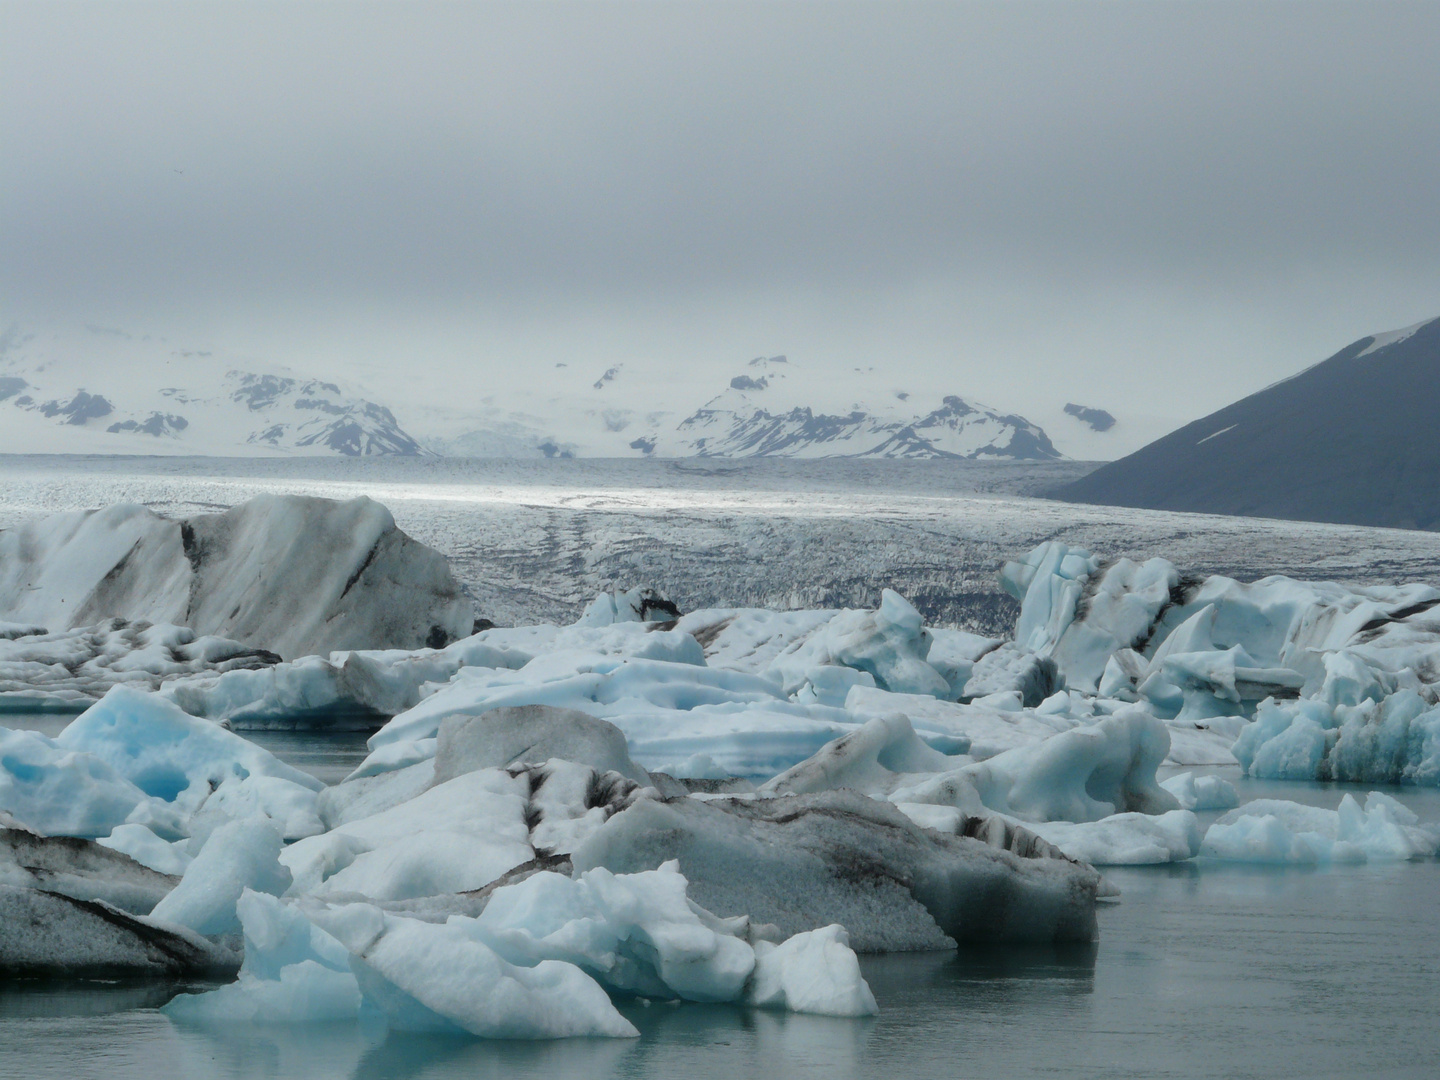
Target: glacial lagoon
pixel 1202 969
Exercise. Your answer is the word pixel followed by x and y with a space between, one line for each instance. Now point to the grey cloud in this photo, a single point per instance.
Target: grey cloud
pixel 531 156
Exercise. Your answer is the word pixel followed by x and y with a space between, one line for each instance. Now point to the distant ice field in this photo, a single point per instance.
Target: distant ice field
pixel 535 540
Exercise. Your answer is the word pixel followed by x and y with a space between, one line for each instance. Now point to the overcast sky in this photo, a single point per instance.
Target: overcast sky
pixel 1154 208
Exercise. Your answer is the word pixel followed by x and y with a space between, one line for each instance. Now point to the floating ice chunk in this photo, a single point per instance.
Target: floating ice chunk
pixel 443 977
pixel 1286 741
pixel 75 667
pixel 238 856
pixel 454 837
pixel 1394 741
pixel 59 792
pixel 828 684
pixel 147 849
pixel 390 757
pixel 750 639
pixel 277 935
pixel 1397 741
pixel 1003 701
pixel 1082 774
pixel 1123 673
pixel 190 763
pixel 890 644
pixel 1201 792
pixel 792 861
pixel 956 727
pixel 1126 839
pixel 954 654
pixel 1273 830
pixel 635 933
pixel 1265 838
pixel 814 972
pixel 696 767
pixel 9 631
pixel 872 760
pixel 639 605
pixel 80 869
pixel 666 710
pixel 1349 680
pixel 1119 613
pixel 303 993
pixel 1048 582
pixel 292 573
pixel 1010 669
pixel 356 799
pixel 293 973
pixel 339 690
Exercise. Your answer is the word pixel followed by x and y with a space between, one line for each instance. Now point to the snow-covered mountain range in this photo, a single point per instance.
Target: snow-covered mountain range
pixel 145 397
pixel 753 417
pixel 109 391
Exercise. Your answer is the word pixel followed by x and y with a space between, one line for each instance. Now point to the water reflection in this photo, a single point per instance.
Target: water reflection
pixel 31 999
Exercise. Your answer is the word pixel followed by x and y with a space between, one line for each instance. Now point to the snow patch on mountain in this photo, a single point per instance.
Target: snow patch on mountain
pixel 1392 337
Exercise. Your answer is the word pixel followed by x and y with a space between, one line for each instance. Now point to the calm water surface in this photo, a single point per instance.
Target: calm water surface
pixel 1203 970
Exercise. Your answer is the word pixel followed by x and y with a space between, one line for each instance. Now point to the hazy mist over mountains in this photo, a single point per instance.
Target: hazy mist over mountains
pixel 1151 210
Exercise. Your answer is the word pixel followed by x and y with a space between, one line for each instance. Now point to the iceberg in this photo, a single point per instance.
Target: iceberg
pixel 1084 774
pixel 59 792
pixel 805 862
pixel 1107 629
pixel 1129 839
pixel 47 934
pixel 539 961
pixel 197 769
pixel 292 574
pixel 1201 792
pixel 79 869
pixel 1394 741
pixel 346 688
pixel 68 670
pixel 1277 831
pixel 441 977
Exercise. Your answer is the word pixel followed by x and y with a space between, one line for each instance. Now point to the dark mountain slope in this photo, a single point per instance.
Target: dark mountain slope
pixel 1353 439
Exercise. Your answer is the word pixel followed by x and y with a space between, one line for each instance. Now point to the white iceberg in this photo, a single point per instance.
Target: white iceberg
pixel 343 689
pixel 1129 839
pixel 1201 792
pixel 1277 831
